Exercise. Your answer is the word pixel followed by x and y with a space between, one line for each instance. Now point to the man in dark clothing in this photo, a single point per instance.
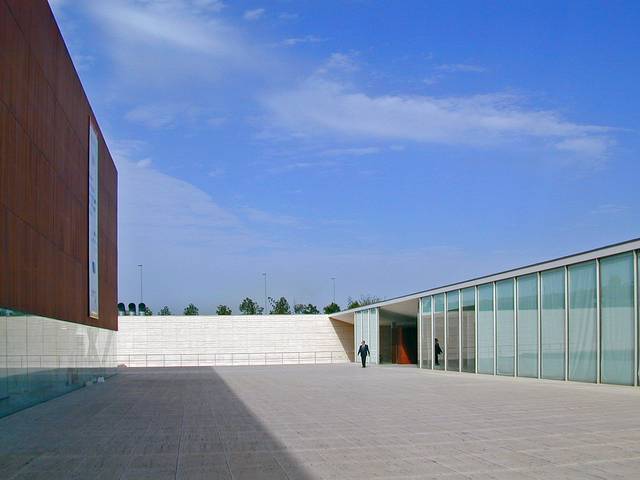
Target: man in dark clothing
pixel 363 351
pixel 437 350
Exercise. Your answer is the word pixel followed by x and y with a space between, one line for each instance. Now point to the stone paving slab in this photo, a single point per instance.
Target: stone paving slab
pixel 325 422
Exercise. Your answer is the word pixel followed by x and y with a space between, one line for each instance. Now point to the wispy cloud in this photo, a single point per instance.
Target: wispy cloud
pixel 303 165
pixel 288 16
pixel 610 209
pixel 255 14
pixel 298 40
pixel 596 146
pixel 190 37
pixel 216 172
pixel 262 216
pixel 353 151
pixel 168 115
pixel 460 67
pixel 443 70
pixel 325 107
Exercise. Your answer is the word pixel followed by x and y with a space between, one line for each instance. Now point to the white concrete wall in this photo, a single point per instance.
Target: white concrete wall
pixel 233 340
pixel 33 342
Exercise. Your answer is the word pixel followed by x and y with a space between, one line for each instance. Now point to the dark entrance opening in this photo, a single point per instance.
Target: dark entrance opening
pixel 398 337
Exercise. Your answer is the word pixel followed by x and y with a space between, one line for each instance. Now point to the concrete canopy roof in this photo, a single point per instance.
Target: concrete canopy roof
pixel 406 303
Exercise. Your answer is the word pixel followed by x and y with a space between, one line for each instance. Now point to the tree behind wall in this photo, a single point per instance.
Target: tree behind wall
pixel 332 308
pixel 223 310
pixel 165 312
pixel 305 309
pixel 279 307
pixel 362 301
pixel 191 309
pixel 250 307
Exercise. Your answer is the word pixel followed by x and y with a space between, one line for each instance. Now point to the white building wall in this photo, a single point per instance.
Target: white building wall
pixel 233 340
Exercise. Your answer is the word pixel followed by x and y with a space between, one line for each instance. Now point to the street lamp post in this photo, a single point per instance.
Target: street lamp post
pixel 333 279
pixel 265 293
pixel 140 267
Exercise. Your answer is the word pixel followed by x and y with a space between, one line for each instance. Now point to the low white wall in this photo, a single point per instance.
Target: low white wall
pixel 233 340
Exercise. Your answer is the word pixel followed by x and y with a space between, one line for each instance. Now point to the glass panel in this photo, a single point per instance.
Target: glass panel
pixel 453 315
pixel 485 328
pixel 528 326
pixel 426 332
pixel 358 331
pixel 552 324
pixel 617 319
pixel 582 322
pixel 42 358
pixel 438 331
pixel 505 327
pixel 365 326
pixel 469 330
pixel 373 334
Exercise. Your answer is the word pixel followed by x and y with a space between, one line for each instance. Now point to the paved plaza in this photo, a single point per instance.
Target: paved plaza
pixel 325 421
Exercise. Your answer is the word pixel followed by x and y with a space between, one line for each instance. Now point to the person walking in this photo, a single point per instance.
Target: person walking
pixel 363 351
pixel 437 350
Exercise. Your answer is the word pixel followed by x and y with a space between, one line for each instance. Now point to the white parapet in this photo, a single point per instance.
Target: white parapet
pixel 210 340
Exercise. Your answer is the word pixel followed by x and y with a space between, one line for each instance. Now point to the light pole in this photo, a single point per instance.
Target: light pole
pixel 333 279
pixel 140 267
pixel 265 293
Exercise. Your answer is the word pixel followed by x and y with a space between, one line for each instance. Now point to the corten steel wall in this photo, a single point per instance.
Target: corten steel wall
pixel 44 149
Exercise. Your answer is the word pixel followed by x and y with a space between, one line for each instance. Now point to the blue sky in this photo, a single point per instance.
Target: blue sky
pixel 395 146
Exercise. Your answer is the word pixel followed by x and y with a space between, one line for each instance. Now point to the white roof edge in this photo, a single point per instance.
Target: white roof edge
pixel 617 248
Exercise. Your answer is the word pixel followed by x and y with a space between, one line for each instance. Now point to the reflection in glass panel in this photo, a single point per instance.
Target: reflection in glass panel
pixel 582 322
pixel 528 326
pixel 425 327
pixel 453 334
pixel 468 330
pixel 617 319
pixel 373 334
pixel 552 324
pixel 485 328
pixel 358 333
pixel 505 327
pixel 42 358
pixel 438 331
pixel 365 326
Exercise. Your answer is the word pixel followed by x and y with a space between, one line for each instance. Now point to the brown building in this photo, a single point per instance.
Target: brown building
pixel 45 122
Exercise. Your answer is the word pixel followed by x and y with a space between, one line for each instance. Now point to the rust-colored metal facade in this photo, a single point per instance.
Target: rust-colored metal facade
pixel 44 148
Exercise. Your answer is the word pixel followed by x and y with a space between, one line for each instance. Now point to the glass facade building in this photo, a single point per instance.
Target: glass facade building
pixel 574 318
pixel 576 322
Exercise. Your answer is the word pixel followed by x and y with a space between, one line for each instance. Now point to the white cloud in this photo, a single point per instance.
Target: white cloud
pixel 610 209
pixel 82 62
pixel 338 62
pixel 216 121
pixel 262 216
pixel 441 71
pixel 292 166
pixel 211 5
pixel 254 14
pixel 144 163
pixel 595 146
pixel 353 151
pixel 168 115
pixel 156 42
pixel 460 67
pixel 216 172
pixel 288 16
pixel 288 42
pixel 322 107
pixel 169 209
